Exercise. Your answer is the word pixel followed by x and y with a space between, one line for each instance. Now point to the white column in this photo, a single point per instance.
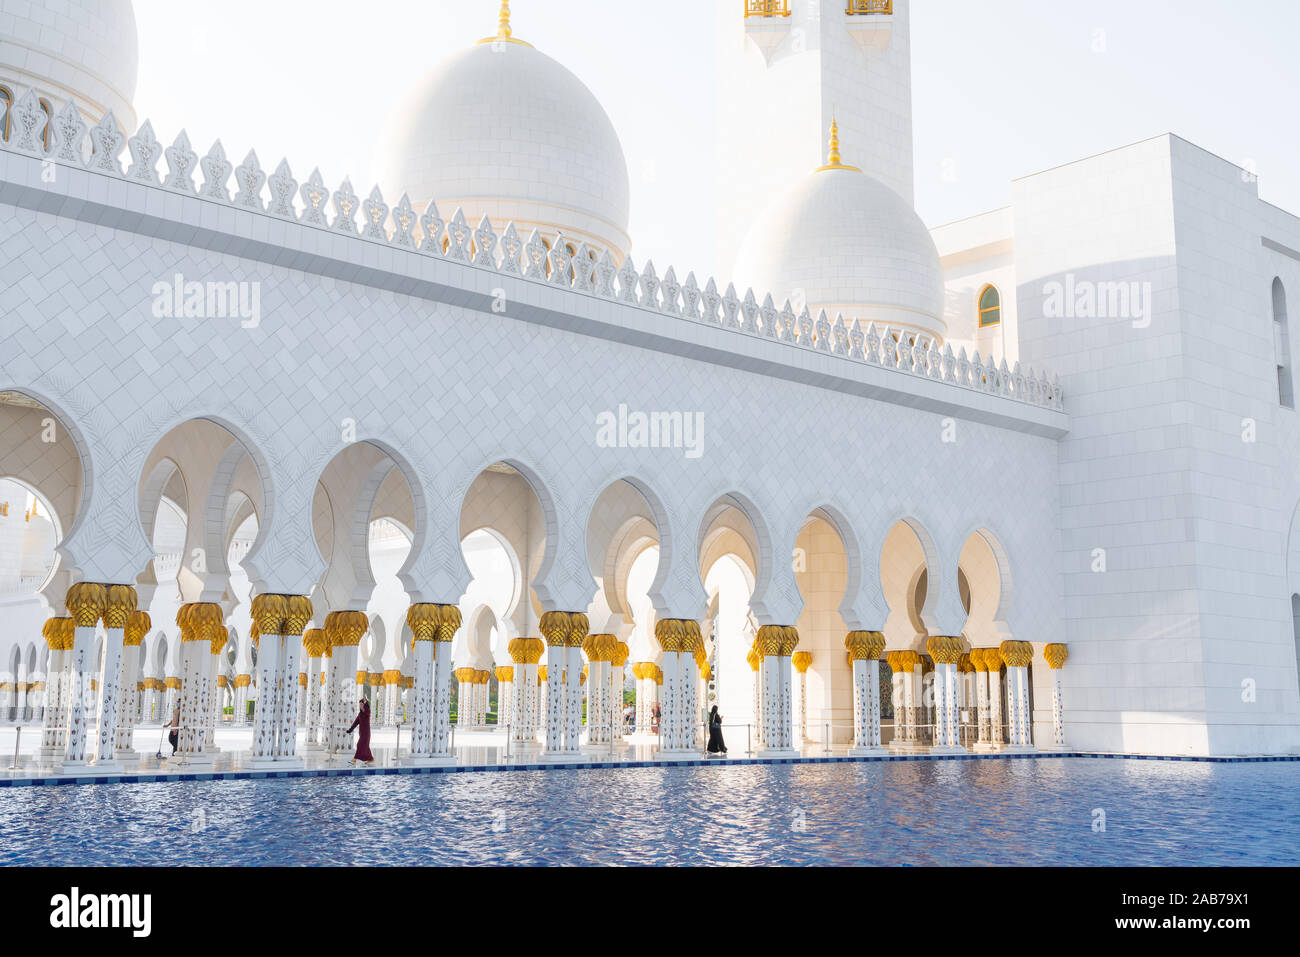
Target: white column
pixel 643 697
pixel 505 692
pixel 1058 710
pixel 982 697
pixel 555 710
pixel 543 701
pixel 195 695
pixel 617 678
pixel 241 700
pixel 53 723
pixel 1023 706
pixel 78 696
pixel 441 720
pixel 864 650
pixel 689 719
pixel 670 735
pixel 802 732
pixel 770 678
pixel 215 695
pixel 304 690
pixel 286 745
pixel 896 703
pixel 464 699
pixel 124 740
pixel 573 698
pixel 523 701
pixel 995 704
pixel 422 740
pixel 266 711
pixel 953 703
pixel 345 697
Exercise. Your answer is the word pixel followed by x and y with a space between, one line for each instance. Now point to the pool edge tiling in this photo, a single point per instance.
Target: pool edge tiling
pixel 164 777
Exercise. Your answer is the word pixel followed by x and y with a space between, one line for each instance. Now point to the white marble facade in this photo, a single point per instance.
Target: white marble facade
pixel 448 357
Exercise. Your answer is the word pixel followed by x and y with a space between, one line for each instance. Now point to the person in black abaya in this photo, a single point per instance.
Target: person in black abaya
pixel 716 744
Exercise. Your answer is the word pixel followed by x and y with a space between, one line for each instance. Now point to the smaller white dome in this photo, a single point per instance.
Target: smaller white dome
pixel 80 50
pixel 503 130
pixel 843 241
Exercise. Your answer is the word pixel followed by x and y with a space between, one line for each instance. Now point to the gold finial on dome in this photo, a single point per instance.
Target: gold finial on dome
pixel 504 33
pixel 833 157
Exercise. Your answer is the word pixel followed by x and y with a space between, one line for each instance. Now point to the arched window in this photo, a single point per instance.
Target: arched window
pixel 1295 628
pixel 6 101
pixel 990 307
pixel 48 110
pixel 1282 346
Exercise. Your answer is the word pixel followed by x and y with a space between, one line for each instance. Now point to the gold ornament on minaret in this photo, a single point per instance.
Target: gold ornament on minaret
pixel 833 153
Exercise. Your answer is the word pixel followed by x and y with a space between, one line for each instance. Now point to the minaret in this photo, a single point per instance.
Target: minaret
pixel 786 68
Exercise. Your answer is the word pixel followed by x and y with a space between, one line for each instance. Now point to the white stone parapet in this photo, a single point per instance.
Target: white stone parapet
pixel 538 258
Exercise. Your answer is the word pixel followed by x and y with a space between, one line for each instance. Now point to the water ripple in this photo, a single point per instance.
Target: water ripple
pixel 1025 812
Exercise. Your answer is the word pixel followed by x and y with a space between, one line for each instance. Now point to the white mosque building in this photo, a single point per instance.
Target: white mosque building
pixel 1027 481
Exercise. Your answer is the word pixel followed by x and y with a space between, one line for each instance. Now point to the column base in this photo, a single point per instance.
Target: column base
pixel 986 747
pixel 682 754
pixel 201 762
pixel 1018 749
pixel 428 761
pixel 867 751
pixel 560 757
pixel 777 753
pixel 907 747
pixel 105 767
pixel 262 764
pixel 940 749
pixel 127 757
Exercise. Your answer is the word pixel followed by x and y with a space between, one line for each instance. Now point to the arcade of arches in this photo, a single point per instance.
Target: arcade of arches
pixel 196 632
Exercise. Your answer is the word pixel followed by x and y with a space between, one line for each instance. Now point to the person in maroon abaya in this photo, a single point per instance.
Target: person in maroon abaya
pixel 362 726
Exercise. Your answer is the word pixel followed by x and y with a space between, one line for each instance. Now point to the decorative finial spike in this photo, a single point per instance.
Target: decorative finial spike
pixel 833 160
pixel 504 33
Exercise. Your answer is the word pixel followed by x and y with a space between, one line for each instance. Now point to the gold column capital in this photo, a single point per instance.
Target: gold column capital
pixel 297 614
pixel 138 624
pixel 1056 655
pixel 670 633
pixel 120 602
pixel 864 645
pixel 268 613
pixel 86 601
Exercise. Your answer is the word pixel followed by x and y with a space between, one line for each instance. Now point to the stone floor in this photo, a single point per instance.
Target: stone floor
pixel 485 748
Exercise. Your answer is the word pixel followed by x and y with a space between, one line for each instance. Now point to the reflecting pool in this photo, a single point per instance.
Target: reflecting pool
pixel 1076 811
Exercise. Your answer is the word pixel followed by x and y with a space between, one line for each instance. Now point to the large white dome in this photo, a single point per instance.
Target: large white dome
pixel 83 50
pixel 504 130
pixel 843 241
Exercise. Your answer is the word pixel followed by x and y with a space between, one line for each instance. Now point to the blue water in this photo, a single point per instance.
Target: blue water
pixel 1031 812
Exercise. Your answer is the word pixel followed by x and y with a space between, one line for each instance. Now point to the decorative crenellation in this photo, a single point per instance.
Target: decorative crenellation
pixel 551 259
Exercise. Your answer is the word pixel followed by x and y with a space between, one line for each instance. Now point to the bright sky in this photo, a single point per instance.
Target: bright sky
pixel 1002 88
